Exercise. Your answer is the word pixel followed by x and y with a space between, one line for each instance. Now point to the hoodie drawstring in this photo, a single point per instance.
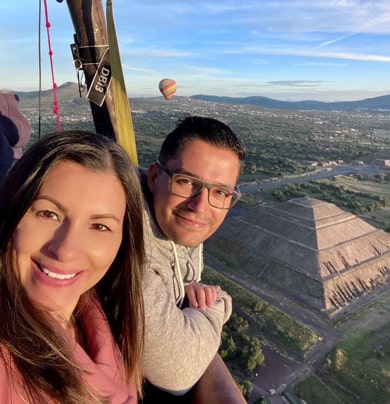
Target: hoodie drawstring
pixel 178 274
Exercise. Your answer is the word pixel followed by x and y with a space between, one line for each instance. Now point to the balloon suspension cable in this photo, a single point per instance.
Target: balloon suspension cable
pixel 39 70
pixel 55 100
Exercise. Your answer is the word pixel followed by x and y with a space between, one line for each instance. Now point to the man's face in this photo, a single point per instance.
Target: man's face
pixel 186 221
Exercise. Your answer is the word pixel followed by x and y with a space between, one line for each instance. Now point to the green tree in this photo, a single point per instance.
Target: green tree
pixel 238 324
pixel 252 355
pixel 258 306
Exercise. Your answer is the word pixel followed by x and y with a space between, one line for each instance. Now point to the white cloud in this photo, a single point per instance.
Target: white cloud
pixel 219 43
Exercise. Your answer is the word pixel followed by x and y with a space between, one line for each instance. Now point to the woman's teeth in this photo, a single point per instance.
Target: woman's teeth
pixel 57 276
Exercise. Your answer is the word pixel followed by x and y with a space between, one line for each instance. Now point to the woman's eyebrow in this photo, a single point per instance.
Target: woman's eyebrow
pixel 52 200
pixel 63 209
pixel 106 216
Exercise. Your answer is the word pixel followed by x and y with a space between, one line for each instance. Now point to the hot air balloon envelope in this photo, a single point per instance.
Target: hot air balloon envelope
pixel 167 88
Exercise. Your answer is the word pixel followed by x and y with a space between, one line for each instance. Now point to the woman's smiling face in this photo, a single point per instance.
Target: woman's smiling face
pixel 70 235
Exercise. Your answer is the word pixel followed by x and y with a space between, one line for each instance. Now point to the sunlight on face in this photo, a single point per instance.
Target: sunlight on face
pixel 70 235
pixel 190 221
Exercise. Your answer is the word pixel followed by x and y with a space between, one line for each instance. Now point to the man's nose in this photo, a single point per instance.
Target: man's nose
pixel 200 202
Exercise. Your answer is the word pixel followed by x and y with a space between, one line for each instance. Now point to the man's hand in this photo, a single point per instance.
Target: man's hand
pixel 201 296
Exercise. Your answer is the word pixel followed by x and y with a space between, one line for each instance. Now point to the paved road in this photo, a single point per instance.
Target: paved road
pixel 326 173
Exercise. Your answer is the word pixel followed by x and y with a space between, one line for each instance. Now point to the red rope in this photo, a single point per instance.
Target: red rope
pixel 55 101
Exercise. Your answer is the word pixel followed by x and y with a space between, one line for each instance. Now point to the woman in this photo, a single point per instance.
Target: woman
pixel 71 254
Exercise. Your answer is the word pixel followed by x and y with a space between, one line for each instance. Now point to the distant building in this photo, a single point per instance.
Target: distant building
pixel 312 251
pixel 358 163
pixel 382 163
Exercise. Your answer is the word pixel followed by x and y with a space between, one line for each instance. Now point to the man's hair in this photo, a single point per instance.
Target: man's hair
pixel 208 130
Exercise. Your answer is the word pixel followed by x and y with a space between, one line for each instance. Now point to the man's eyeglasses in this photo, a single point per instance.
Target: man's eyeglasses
pixel 186 186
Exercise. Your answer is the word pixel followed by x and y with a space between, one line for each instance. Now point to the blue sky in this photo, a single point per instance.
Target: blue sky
pixel 288 50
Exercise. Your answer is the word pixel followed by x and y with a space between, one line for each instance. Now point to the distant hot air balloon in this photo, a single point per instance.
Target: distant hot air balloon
pixel 167 88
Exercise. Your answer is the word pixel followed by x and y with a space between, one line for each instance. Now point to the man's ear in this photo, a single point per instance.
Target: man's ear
pixel 152 175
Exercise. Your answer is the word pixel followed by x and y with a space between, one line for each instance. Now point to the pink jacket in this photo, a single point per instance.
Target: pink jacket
pixel 9 106
pixel 103 367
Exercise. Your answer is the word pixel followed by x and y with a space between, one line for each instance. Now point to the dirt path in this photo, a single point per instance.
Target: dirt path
pixel 273 375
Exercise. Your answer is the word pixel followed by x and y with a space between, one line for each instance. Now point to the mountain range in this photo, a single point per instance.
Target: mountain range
pixel 69 92
pixel 377 104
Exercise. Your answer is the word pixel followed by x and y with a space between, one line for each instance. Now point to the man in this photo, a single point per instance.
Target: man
pixel 188 193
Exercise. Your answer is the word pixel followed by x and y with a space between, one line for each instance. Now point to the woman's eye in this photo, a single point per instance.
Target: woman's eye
pixel 48 214
pixel 100 227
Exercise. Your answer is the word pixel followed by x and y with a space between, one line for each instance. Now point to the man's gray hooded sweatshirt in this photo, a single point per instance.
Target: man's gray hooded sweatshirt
pixel 180 341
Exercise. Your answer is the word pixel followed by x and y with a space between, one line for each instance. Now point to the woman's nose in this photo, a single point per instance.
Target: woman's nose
pixel 66 243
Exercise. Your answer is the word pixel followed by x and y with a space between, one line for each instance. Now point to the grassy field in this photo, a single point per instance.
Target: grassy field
pixel 356 371
pixel 318 390
pixel 378 218
pixel 364 185
pixel 358 368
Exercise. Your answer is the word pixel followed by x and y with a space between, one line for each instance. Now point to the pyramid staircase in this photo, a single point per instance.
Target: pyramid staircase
pixel 313 251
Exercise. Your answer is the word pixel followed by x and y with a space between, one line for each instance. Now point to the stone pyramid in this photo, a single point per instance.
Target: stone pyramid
pixel 309 249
